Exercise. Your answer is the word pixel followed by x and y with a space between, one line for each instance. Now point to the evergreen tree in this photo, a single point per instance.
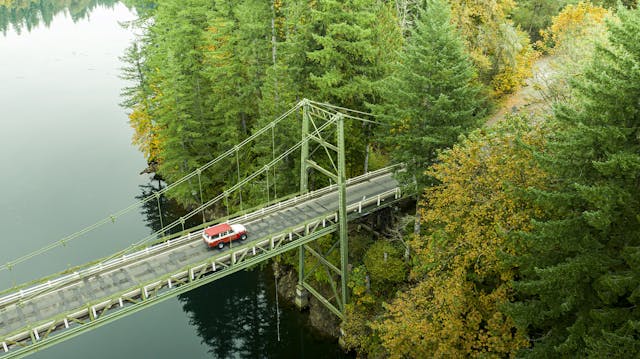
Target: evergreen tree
pixel 344 65
pixel 188 130
pixel 237 57
pixel 285 84
pixel 432 96
pixel 578 293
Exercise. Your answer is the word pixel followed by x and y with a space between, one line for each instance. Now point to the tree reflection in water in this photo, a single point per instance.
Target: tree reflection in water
pixel 236 315
pixel 28 14
pixel 236 318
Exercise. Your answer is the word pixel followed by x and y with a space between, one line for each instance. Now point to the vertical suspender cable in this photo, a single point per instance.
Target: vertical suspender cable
pixel 226 202
pixel 277 306
pixel 239 180
pixel 267 172
pixel 201 198
pixel 273 155
pixel 160 212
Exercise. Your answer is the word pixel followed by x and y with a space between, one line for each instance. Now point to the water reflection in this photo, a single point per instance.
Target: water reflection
pixel 233 316
pixel 237 316
pixel 28 14
pixel 167 212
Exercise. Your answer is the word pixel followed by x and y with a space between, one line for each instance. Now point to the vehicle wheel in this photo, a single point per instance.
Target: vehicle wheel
pixel 243 237
pixel 221 245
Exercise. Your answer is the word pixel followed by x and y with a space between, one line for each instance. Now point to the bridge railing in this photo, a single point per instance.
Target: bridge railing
pixel 235 259
pixel 313 194
pixel 111 263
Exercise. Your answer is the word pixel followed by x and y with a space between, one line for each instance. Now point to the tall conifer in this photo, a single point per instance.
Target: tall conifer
pixel 579 291
pixel 344 63
pixel 432 96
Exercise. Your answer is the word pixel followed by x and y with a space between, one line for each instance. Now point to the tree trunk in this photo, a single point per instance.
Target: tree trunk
pixel 366 157
pixel 274 50
pixel 416 224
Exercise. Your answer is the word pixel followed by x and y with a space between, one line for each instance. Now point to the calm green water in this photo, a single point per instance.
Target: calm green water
pixel 66 161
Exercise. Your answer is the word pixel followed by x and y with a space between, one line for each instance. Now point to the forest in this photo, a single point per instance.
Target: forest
pixel 525 239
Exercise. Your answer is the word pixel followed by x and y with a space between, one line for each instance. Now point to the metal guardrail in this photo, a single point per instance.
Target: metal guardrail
pixel 37 332
pixel 119 261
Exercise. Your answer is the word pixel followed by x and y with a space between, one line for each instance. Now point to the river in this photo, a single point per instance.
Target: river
pixel 66 161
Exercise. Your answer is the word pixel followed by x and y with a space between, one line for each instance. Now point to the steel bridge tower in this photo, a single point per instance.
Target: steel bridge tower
pixel 338 176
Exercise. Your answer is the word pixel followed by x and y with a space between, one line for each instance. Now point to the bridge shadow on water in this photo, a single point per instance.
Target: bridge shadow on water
pixel 237 316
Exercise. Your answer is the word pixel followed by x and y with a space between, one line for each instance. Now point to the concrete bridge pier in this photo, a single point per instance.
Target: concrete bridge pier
pixel 302 297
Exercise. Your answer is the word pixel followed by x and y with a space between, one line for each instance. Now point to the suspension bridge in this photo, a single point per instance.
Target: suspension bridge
pixel 58 307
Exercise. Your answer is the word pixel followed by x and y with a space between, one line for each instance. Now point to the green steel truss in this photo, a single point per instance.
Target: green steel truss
pixel 95 314
pixel 322 127
pixel 334 153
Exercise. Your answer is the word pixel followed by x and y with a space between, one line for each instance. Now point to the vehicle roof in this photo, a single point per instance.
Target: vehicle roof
pixel 217 229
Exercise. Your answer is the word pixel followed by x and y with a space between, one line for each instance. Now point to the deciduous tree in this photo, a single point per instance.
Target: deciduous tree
pixel 460 263
pixel 501 52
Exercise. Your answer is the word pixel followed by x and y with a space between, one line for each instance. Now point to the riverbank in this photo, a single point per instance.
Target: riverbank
pixel 320 318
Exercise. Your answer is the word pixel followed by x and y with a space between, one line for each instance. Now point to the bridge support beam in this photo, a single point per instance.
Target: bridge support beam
pixel 342 212
pixel 304 150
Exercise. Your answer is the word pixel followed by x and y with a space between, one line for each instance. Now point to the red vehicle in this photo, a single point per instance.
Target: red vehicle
pixel 218 235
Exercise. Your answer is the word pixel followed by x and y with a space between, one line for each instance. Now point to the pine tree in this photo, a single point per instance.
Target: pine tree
pixel 344 66
pixel 578 293
pixel 188 129
pixel 281 90
pixel 432 96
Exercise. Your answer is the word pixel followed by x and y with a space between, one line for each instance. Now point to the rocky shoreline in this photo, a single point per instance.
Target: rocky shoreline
pixel 320 318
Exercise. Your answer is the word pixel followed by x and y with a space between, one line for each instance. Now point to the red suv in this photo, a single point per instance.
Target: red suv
pixel 218 235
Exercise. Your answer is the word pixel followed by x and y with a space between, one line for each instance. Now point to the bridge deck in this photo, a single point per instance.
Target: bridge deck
pixel 19 316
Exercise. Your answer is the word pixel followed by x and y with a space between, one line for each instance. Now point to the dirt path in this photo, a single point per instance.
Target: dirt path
pixel 528 99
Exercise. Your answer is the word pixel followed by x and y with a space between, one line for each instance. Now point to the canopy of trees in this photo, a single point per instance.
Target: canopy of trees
pixel 526 238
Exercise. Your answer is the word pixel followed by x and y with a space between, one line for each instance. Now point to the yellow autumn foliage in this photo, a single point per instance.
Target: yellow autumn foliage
pixel 501 53
pixel 145 133
pixel 573 21
pixel 463 279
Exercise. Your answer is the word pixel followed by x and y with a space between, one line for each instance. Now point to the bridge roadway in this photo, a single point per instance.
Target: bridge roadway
pixel 29 316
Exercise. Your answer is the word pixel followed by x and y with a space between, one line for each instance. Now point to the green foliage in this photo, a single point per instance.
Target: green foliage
pixel 459 264
pixel 578 290
pixel 432 96
pixel 612 4
pixel 188 129
pixel 344 51
pixel 282 88
pixel 385 265
pixel 535 15
pixel 371 282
